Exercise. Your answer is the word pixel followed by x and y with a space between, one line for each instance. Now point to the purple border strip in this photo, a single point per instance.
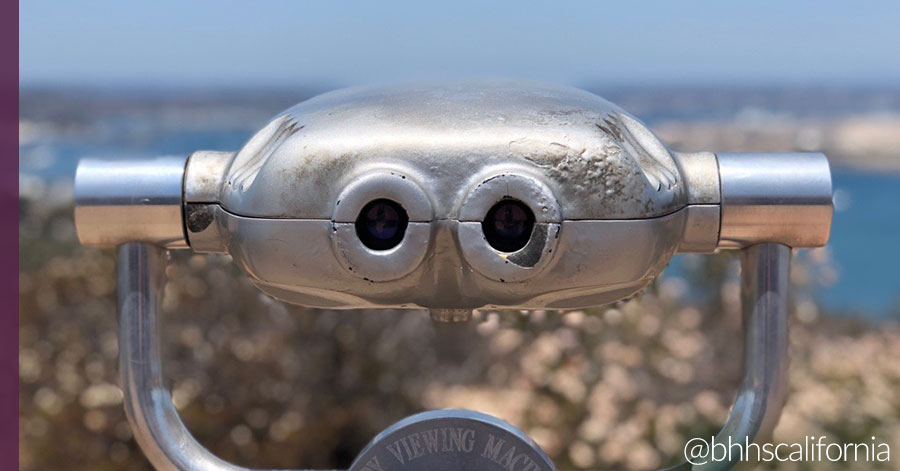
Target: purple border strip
pixel 9 236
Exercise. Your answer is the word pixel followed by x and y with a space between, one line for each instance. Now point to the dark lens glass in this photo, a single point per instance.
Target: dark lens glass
pixel 381 224
pixel 507 226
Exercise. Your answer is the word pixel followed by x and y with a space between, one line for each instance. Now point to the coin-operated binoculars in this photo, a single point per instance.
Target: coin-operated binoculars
pixel 452 198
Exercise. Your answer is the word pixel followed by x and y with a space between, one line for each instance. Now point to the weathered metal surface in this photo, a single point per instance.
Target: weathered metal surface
pixel 591 263
pixel 600 162
pixel 609 200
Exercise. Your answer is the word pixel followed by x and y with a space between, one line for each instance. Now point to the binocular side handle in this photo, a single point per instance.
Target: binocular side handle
pixel 170 446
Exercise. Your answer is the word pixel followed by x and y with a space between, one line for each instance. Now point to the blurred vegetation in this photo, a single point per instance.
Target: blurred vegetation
pixel 264 384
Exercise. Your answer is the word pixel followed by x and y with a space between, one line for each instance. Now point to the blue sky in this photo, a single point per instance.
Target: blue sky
pixel 278 42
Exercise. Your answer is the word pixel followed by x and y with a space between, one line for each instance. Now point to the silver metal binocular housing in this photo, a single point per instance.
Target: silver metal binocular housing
pixel 452 198
pixel 602 205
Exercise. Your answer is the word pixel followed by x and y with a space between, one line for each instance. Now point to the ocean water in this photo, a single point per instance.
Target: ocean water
pixel 55 133
pixel 865 243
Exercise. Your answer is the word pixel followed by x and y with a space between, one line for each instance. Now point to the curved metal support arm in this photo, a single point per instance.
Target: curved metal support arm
pixel 170 447
pixel 761 396
pixel 148 404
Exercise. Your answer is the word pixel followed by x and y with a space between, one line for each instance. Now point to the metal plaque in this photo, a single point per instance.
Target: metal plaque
pixel 452 440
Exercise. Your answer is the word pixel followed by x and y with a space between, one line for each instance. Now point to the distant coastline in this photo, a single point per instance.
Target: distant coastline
pixel 858 127
pixel 869 142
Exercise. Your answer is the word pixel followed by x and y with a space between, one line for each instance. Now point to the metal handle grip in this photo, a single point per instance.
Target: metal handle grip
pixel 130 201
pixel 170 447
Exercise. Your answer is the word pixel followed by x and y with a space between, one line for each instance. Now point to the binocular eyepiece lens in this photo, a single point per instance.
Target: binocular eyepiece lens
pixel 507 225
pixel 381 224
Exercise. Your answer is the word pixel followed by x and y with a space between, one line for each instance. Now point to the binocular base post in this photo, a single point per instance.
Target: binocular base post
pixel 170 447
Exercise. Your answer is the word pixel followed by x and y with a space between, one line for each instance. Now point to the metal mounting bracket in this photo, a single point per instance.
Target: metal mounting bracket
pixel 170 446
